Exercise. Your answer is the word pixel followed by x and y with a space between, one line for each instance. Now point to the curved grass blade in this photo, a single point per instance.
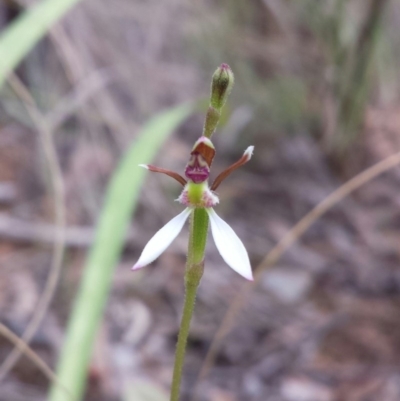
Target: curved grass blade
pixel 26 31
pixel 120 202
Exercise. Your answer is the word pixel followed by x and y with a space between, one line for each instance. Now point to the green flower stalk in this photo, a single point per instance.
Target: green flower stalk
pixel 200 198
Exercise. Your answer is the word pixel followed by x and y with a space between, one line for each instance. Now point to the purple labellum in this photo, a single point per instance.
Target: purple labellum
pixel 197 169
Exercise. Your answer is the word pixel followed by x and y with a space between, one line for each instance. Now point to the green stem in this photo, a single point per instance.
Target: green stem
pixel 193 274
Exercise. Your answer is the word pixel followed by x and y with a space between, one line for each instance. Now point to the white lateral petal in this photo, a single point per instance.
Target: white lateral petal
pixel 162 239
pixel 230 246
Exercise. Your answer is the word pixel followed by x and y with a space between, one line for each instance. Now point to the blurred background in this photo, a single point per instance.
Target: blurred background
pixel 317 92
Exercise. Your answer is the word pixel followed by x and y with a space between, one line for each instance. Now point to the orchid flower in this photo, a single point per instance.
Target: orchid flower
pixel 200 199
pixel 198 194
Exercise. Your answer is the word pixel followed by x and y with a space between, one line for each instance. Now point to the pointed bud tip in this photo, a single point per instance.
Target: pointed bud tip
pixel 136 267
pixel 144 166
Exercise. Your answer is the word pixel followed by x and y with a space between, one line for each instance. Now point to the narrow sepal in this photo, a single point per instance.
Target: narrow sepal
pixel 230 246
pixel 162 239
pixel 170 173
pixel 248 153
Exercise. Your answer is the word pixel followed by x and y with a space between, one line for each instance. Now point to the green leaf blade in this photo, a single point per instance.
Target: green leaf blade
pixel 26 31
pixel 121 199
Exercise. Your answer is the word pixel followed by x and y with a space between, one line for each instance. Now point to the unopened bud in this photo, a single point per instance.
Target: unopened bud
pixel 222 83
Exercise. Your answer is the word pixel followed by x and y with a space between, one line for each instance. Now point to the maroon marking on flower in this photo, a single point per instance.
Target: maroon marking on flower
pixel 197 169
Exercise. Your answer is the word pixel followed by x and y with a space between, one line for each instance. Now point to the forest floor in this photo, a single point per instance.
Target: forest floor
pixel 321 325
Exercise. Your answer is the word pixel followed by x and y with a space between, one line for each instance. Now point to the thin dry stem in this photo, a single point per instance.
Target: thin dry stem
pixel 24 231
pixel 59 212
pixel 73 102
pixel 33 356
pixel 76 71
pixel 289 239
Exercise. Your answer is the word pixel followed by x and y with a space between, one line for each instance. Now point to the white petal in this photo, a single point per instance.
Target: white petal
pixel 162 239
pixel 230 246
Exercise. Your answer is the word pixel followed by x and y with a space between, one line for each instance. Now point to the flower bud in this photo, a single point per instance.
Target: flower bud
pixel 222 83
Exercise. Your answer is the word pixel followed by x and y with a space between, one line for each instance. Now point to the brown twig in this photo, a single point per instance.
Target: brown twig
pixel 33 356
pixel 13 229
